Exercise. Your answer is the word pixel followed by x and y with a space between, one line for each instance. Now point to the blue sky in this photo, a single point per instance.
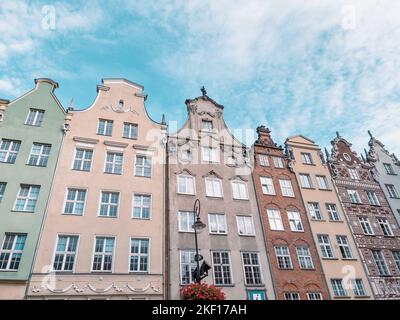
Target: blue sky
pixel 298 67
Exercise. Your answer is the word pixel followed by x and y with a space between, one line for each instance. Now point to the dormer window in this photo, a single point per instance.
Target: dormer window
pixel 207 125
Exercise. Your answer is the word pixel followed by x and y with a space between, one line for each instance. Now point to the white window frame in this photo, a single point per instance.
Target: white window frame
pixel 191 264
pixel 385 227
pixel 240 192
pixel 26 198
pixel 147 159
pixel 305 181
pixel 103 254
pixel 142 206
pixel 304 258
pixel 275 220
pixel 306 158
pixel 186 178
pixel 130 130
pixel 315 295
pixel 389 168
pixel 109 204
pixel 212 181
pixel 36 117
pixel 3 186
pixel 66 252
pixel 11 252
pixel 359 291
pixel 222 265
pixel 354 196
pixel 283 257
pixel 286 188
pixel 322 182
pixel 278 162
pixel 295 222
pixel 220 222
pixel 263 159
pixel 366 226
pixel 333 212
pixel 315 213
pixel 245 223
pixel 189 221
pixel 291 295
pixel 392 191
pixel 353 173
pixel 82 160
pixel 338 289
pixel 207 128
pixel 380 262
pixel 211 155
pixel 252 268
pixel 267 185
pixel 9 152
pixel 113 163
pixel 344 246
pixel 325 246
pixel 107 124
pixel 41 156
pixel 140 254
pixel 74 201
pixel 372 198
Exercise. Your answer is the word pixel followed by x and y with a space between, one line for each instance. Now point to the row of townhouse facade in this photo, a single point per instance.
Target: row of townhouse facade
pixel 98 203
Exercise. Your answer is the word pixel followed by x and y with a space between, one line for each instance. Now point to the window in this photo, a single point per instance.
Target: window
pixel 186 184
pixel 283 257
pixel 344 247
pixel 278 163
pixel 332 212
pixel 338 289
pixel 103 254
pixel 315 211
pixel 295 221
pixel 252 268
pixel 39 154
pixel 214 187
pixel 306 158
pixel 141 206
pixel 185 221
pixel 139 257
pixel 187 266
pixel 245 225
pixel 207 125
pixel 354 196
pixel 325 245
pixel 291 296
pixel 305 180
pixel 396 257
pixel 263 160
pixel 380 262
pixel 27 198
pixel 389 169
pixel 130 130
pixel 267 185
pixel 113 163
pixel 217 223
pixel 366 226
pixel 75 202
pixel 390 188
pixel 322 182
pixel 354 174
pixel 105 127
pixel 210 154
pixel 286 188
pixel 372 198
pixel 2 190
pixel 109 204
pixel 304 256
pixel 11 251
pixel 83 159
pixel 221 261
pixel 9 150
pixel 314 295
pixel 385 227
pixel 239 190
pixel 358 287
pixel 35 117
pixel 64 259
pixel 143 166
pixel 275 220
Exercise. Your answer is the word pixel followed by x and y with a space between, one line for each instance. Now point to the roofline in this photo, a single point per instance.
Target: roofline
pixel 48 80
pixel 300 135
pixel 111 80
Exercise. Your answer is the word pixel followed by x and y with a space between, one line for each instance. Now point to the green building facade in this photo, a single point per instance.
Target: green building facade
pixel 31 133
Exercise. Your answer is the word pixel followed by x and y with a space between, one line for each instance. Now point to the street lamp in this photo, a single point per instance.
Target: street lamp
pixel 198 225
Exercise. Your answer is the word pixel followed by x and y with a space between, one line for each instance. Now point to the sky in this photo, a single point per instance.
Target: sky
pixel 299 67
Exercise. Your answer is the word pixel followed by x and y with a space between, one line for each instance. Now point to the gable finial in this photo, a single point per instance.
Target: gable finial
pixel 71 105
pixel 326 153
pixel 337 134
pixel 370 134
pixel 203 91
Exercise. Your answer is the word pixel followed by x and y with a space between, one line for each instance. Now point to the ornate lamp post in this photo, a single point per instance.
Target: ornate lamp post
pixel 198 225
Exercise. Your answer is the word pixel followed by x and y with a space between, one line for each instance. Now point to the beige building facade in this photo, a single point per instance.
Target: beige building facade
pixel 103 236
pixel 343 269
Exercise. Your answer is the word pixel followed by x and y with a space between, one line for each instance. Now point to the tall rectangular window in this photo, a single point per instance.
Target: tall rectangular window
pixel 388 168
pixel 139 256
pixel 143 166
pixel 344 247
pixel 295 221
pixel 130 130
pixel 114 163
pixel 9 150
pixel 322 182
pixel 27 198
pixel 286 188
pixel 109 204
pixel 11 251
pixel 390 188
pixel 64 258
pixel 75 202
pixel 275 219
pixel 315 211
pixel 366 226
pixel 304 256
pixel 2 190
pixel 325 246
pixel 245 225
pixel 35 117
pixel 278 163
pixel 217 223
pixel 207 125
pixel 267 185
pixel 141 206
pixel 186 184
pixel 222 269
pixel 332 212
pixel 210 154
pixel 105 127
pixel 385 227
pixel 83 159
pixel 305 180
pixel 263 160
pixel 187 266
pixel 239 190
pixel 214 187
pixel 291 296
pixel 380 262
pixel 358 288
pixel 396 257
pixel 185 221
pixel 306 158
pixel 338 288
pixel 354 174
pixel 39 154
pixel 372 198
pixel 103 254
pixel 252 268
pixel 354 196
pixel 283 257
